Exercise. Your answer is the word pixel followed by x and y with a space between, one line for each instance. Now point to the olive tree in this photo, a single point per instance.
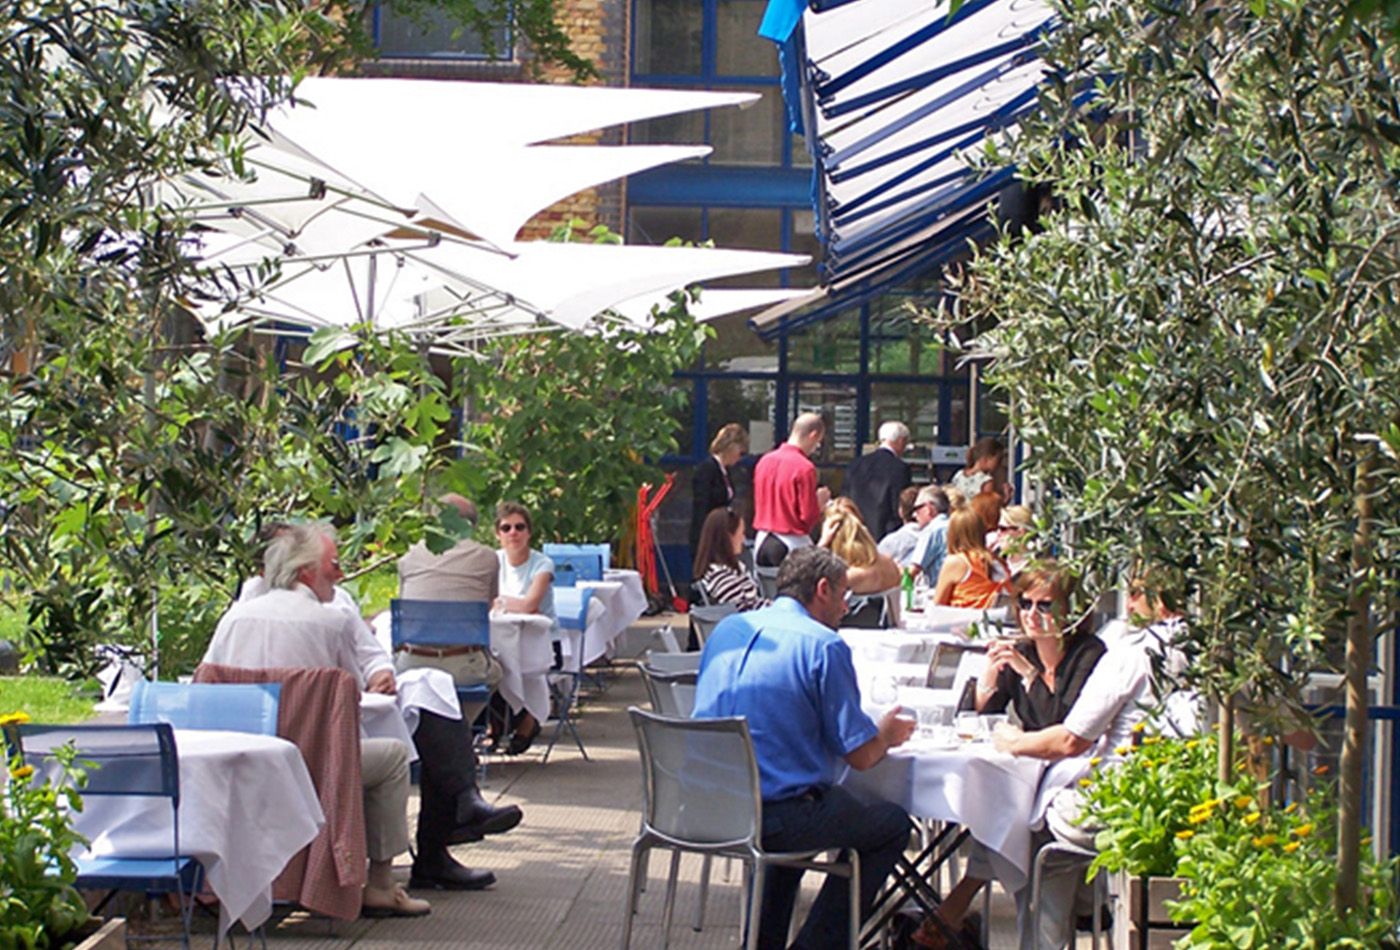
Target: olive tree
pixel 1199 343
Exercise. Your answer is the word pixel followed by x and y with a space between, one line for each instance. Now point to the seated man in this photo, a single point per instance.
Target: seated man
pixel 930 504
pixel 784 668
pixel 298 621
pixel 932 547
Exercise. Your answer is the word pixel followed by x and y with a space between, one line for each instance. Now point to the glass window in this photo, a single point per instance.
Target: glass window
pixel 804 241
pixel 915 405
pixel 901 344
pixel 837 404
pixel 748 402
pixel 750 136
pixel 668 37
pixel 754 229
pixel 832 346
pixel 687 128
pixel 432 34
pixel 737 349
pixel 685 419
pixel 739 50
pixel 657 225
pixel 991 415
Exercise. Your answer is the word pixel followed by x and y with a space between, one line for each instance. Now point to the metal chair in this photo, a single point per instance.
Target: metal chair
pixel 767 578
pixel 675 662
pixel 704 619
pixel 873 611
pixel 672 693
pixel 135 762
pixel 235 707
pixel 571 607
pixel 603 551
pixel 1079 857
pixel 702 796
pixel 445 624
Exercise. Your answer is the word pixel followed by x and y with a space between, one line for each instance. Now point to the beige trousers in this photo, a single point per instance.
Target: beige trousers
pixel 384 773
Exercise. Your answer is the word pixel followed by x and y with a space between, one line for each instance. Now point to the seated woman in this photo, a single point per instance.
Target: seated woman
pixel 971 575
pixel 869 571
pixel 1039 674
pixel 527 587
pixel 722 578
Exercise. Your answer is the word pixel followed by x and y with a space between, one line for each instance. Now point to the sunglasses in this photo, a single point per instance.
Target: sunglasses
pixel 1027 605
pixel 513 526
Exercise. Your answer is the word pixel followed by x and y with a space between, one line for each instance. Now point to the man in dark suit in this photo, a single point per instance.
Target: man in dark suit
pixel 874 481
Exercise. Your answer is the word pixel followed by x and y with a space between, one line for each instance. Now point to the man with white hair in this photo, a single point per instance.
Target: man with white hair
pixel 905 545
pixel 787 500
pixel 874 481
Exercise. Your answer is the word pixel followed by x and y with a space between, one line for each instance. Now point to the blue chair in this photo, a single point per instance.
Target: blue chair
pixel 235 707
pixel 444 624
pixel 603 551
pixel 571 607
pixel 569 568
pixel 125 762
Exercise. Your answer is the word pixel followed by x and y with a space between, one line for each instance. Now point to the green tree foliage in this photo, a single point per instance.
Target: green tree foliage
pixel 1200 344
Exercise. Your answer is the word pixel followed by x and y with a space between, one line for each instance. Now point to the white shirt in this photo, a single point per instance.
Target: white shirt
pixel 370 655
pixel 287 628
pixel 899 544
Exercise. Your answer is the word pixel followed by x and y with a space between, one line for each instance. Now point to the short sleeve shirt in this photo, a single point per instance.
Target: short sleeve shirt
pixel 515 580
pixel 793 679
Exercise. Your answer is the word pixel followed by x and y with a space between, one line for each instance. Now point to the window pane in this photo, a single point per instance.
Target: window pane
pixel 754 229
pixel 687 128
pixel 736 348
pixel 901 344
pixel 804 241
pixel 748 402
pixel 750 136
pixel 739 50
pixel 668 37
pixel 433 34
pixel 837 404
pixel 991 420
pixel 915 405
pixel 657 225
pixel 832 346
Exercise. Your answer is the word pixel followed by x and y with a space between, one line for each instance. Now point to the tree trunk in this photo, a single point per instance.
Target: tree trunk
pixel 1358 662
pixel 1226 758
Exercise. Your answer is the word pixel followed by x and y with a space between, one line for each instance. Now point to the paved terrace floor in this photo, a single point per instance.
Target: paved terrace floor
pixel 563 871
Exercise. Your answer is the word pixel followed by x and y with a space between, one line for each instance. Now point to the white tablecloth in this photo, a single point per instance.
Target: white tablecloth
pixel 247 805
pixel 623 599
pixel 381 718
pixel 523 645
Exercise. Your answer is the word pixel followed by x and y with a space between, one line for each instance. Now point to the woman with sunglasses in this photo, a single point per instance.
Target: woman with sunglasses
pixel 527 587
pixel 1040 673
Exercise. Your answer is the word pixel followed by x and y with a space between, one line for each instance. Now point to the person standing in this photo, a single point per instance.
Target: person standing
pixel 787 500
pixel 787 672
pixel 710 487
pixel 874 481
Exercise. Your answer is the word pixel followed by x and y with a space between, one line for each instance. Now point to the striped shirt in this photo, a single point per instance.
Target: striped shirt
pixel 726 585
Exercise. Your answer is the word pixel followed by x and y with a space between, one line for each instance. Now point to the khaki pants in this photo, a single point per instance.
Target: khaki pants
pixel 384 773
pixel 467 669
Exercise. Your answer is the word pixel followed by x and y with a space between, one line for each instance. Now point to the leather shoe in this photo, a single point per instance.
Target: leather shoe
pixel 450 877
pixel 393 902
pixel 519 742
pixel 480 819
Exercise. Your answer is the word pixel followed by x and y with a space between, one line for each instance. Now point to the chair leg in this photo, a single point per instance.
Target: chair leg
pixel 670 904
pixel 755 904
pixel 636 871
pixel 854 858
pixel 704 893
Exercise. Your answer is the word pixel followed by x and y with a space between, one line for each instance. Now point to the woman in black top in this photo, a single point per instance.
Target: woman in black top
pixel 1041 672
pixel 710 486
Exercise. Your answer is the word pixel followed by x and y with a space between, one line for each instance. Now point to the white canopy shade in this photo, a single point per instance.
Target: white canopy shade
pixel 713 304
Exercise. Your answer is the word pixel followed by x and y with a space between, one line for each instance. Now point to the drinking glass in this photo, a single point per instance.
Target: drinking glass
pixel 967 724
pixel 884 691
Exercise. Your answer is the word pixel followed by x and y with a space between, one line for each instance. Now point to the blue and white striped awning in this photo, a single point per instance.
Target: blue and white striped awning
pixel 889 94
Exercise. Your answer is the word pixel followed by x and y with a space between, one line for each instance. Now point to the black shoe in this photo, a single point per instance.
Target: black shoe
pixel 450 877
pixel 520 743
pixel 1085 922
pixel 482 819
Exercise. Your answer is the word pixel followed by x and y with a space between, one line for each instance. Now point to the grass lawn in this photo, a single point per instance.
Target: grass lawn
pixel 44 698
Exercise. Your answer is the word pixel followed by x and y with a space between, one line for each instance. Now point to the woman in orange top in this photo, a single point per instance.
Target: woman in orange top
pixel 971 576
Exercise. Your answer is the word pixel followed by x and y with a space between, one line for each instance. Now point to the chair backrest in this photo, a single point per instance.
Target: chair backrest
pixel 876 611
pixel 582 567
pixel 440 623
pixel 704 619
pixel 603 551
pixel 674 662
pixel 700 779
pixel 571 607
pixel 767 581
pixel 671 693
pixel 127 761
pixel 236 707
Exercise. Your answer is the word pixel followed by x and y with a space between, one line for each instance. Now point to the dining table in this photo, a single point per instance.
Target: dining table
pixel 623 599
pixel 247 806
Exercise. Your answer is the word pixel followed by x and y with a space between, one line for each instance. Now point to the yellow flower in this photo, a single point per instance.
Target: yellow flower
pixel 1244 801
pixel 1184 835
pixel 1196 817
pixel 14 719
pixel 1264 841
pixel 1292 807
pixel 1251 818
pixel 1140 726
pixel 1151 740
pixel 1095 761
pixel 1085 783
pixel 1193 743
pixel 1122 750
pixel 1268 740
pixel 1302 831
pixel 23 772
pixel 1291 847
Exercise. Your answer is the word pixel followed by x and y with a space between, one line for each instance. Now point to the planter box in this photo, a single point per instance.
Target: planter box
pixel 111 935
pixel 1140 918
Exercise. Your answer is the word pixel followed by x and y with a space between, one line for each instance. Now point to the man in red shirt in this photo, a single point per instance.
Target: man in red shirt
pixel 787 501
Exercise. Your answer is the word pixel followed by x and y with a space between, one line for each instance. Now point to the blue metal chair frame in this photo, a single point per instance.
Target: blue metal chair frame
pixel 603 551
pixel 444 623
pixel 235 707
pixel 133 761
pixel 571 568
pixel 573 617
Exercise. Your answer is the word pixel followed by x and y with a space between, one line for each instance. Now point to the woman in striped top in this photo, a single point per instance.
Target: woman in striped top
pixel 720 576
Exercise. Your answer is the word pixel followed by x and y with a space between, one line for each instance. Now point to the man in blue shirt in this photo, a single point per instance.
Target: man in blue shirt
pixel 785 670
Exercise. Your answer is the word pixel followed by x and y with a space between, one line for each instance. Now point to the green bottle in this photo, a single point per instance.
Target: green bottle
pixel 906 584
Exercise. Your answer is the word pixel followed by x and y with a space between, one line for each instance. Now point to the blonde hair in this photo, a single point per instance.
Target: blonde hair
pixel 957 501
pixel 729 436
pixel 852 541
pixel 968 536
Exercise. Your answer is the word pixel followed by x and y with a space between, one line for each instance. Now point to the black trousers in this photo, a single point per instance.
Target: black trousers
pixel 447 778
pixel 827 818
pixel 770 553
